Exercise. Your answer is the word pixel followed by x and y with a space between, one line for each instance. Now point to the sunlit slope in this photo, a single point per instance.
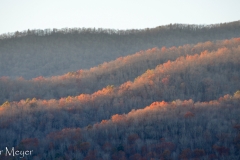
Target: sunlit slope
pixel 109 73
pixel 201 77
pixel 34 53
pixel 166 130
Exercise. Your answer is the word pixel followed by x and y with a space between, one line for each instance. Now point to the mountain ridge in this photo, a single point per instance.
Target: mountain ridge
pixel 173 102
pixel 115 73
pixel 61 52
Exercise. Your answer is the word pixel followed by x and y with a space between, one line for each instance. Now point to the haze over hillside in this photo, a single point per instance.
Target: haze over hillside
pixel 114 73
pixel 48 52
pixel 169 93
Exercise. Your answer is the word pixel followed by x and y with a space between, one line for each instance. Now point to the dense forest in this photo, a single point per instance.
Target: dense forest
pixel 114 73
pixel 52 52
pixel 172 94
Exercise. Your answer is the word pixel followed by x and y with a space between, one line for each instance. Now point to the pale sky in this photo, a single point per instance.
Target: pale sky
pixel 19 15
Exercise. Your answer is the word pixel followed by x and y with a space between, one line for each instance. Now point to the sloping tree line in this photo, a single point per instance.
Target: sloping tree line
pixel 201 77
pixel 34 53
pixel 163 130
pixel 189 27
pixel 114 73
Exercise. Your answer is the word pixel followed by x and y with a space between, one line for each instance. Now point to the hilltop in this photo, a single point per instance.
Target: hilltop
pixel 52 52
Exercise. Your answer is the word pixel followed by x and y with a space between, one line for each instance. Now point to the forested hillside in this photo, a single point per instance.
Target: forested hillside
pixel 169 93
pixel 163 130
pixel 185 117
pixel 50 52
pixel 115 73
pixel 174 130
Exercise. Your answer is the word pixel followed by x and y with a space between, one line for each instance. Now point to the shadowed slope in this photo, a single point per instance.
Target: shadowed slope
pixel 47 52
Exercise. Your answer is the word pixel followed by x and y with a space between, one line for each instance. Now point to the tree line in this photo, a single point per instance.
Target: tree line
pixel 115 73
pixel 52 52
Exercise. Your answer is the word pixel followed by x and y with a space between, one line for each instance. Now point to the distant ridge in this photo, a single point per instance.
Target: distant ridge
pixel 48 31
pixel 34 53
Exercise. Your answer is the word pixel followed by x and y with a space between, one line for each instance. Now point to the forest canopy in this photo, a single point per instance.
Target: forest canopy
pixel 170 93
pixel 51 52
